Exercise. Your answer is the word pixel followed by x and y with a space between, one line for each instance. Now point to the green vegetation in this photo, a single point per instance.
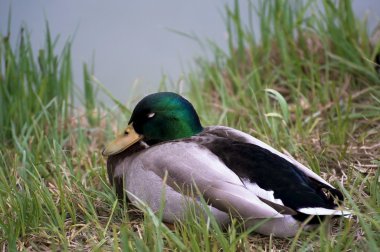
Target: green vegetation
pixel 305 83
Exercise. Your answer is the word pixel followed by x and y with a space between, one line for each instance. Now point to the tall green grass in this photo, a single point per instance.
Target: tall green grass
pixel 47 147
pixel 30 80
pixel 304 82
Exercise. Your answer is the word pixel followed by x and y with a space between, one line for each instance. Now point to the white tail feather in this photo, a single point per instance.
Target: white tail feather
pixel 323 211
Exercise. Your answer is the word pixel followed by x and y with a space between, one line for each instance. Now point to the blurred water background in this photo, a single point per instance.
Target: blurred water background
pixel 133 44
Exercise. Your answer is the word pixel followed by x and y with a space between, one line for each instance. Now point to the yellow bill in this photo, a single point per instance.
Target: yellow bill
pixel 122 142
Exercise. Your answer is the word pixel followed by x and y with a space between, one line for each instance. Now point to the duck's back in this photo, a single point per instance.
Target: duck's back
pixel 271 175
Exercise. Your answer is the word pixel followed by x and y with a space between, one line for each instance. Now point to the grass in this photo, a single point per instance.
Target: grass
pixel 304 83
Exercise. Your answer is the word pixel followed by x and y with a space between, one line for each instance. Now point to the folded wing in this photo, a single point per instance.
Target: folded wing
pixel 186 165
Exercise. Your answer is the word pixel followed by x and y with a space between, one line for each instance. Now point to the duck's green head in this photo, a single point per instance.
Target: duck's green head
pixel 156 118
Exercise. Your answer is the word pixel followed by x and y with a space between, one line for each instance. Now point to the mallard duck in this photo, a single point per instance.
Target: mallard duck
pixel 165 147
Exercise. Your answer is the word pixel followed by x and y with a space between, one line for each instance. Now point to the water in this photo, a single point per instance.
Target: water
pixel 131 42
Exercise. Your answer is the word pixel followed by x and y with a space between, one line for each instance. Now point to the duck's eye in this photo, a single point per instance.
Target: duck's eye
pixel 126 131
pixel 150 115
